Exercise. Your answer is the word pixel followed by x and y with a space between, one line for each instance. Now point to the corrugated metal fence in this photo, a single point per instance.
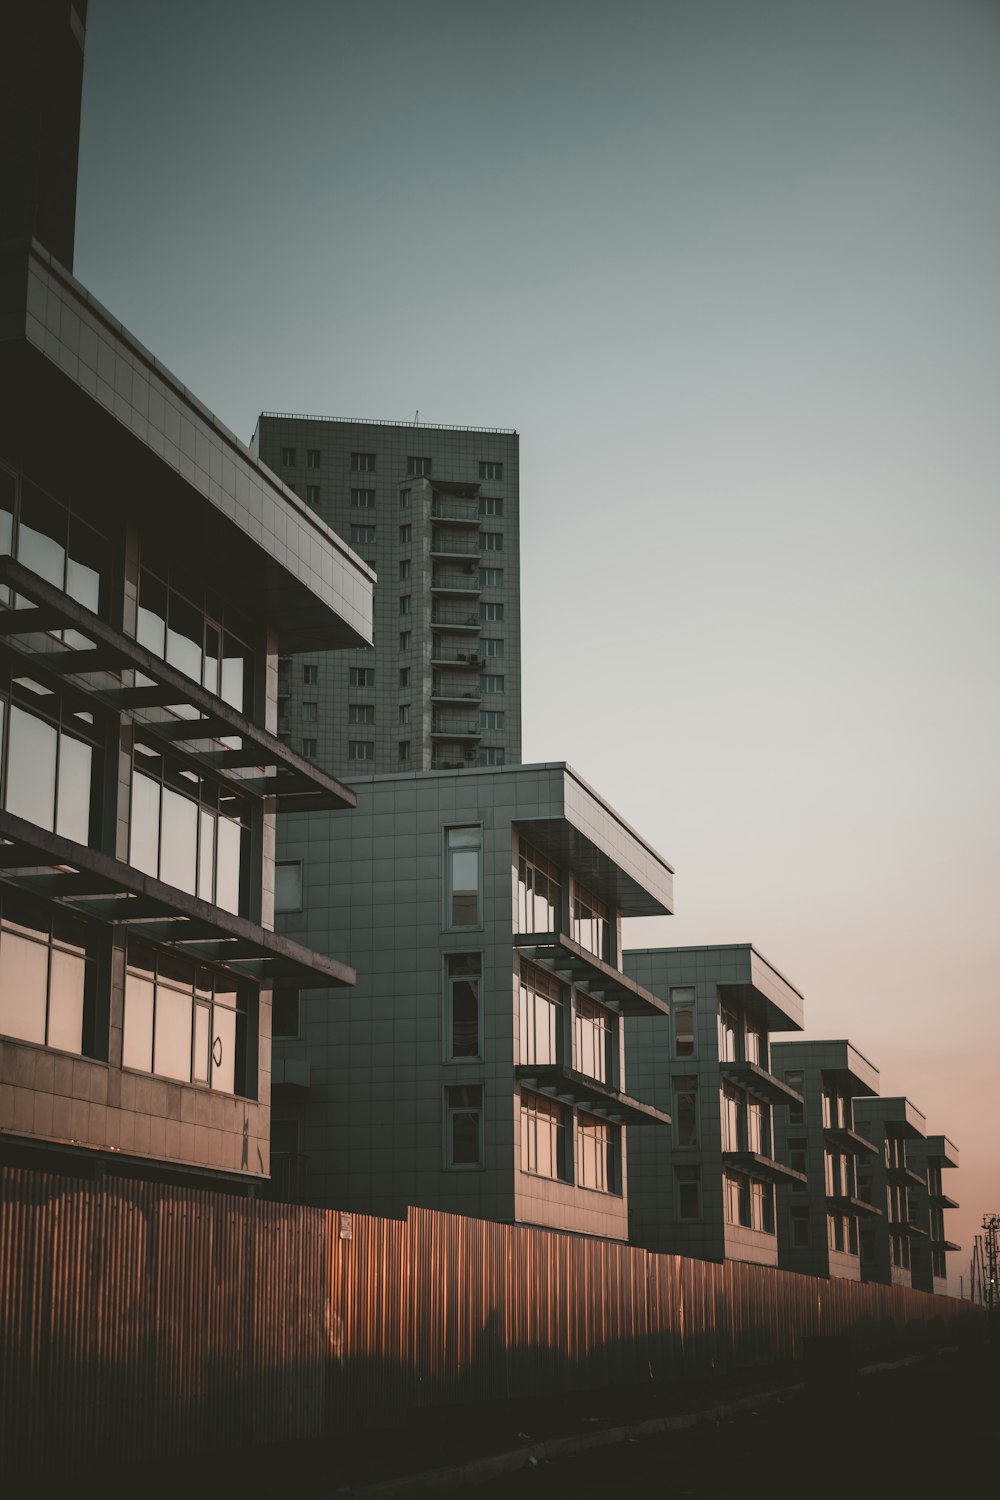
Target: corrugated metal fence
pixel 138 1319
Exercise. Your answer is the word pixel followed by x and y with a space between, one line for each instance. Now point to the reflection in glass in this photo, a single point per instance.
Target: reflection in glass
pixel 144 825
pixel 178 841
pixel 137 1045
pixel 227 878
pixel 201 1062
pixel 31 768
pixel 67 980
pixel 463 876
pixel 172 1034
pixel 24 968
pixel 73 803
pixel 212 656
pixel 87 562
pixel 234 673
pixel 184 634
pixel 206 855
pixel 223 1049
pixel 151 627
pixel 540 1013
pixel 7 486
pixel 41 536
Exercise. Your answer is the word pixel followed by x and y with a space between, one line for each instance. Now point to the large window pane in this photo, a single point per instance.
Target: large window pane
pixel 202 1061
pixel 24 968
pixel 212 654
pixel 185 627
pixel 151 630
pixel 41 537
pixel 234 673
pixel 66 990
pixel 73 803
pixel 179 841
pixel 227 877
pixel 31 768
pixel 223 1049
pixel 137 1044
pixel 465 1018
pixel 87 561
pixel 172 1034
pixel 206 856
pixel 288 885
pixel 144 824
pixel 7 486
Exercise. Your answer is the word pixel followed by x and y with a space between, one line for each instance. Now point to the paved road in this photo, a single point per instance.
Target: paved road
pixel 929 1430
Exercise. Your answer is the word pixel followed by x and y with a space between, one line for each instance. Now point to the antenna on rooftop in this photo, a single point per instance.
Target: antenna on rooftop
pixel 416 417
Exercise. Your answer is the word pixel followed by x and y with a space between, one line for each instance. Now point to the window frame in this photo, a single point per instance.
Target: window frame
pixel 448 924
pixel 449 980
pixel 449 1111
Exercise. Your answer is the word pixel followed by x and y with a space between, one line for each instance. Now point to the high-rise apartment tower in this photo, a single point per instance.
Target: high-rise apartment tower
pixel 434 510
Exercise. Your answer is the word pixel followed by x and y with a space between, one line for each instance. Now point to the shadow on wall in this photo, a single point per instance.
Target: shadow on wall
pixel 142 1319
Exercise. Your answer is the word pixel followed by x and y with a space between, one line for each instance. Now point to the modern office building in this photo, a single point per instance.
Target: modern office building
pixel 434 510
pixel 818 1220
pixel 478 1067
pixel 928 1256
pixel 891 1180
pixel 707 1188
pixel 140 775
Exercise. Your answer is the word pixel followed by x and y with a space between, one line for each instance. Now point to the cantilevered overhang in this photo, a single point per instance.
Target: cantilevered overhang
pixel 846 1203
pixel 104 889
pixel 143 445
pixel 940 1152
pixel 907 1227
pixel 570 1087
pixel 842 1063
pixel 895 1116
pixel 757 1081
pixel 565 959
pixel 587 836
pixel 941 1200
pixel 948 1245
pixel 737 970
pixel 764 1168
pixel 850 1140
pixel 276 770
pixel 905 1177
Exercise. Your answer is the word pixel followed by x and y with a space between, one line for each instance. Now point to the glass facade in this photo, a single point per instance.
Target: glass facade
pixel 543 1137
pixel 184 1021
pixel 47 974
pixel 596 1154
pixel 540 1017
pixel 202 637
pixel 592 1039
pixel 539 892
pixel 590 923
pixel 186 830
pixel 50 750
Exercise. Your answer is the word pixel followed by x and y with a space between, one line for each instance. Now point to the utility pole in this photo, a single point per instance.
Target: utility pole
pixel 985 1268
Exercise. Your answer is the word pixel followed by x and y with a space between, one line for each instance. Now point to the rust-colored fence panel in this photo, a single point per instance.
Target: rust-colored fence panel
pixel 138 1319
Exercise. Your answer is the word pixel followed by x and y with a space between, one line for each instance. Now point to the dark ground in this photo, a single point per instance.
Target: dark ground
pixel 927 1429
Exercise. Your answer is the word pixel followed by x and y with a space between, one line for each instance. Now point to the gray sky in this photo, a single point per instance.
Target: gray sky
pixel 731 269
